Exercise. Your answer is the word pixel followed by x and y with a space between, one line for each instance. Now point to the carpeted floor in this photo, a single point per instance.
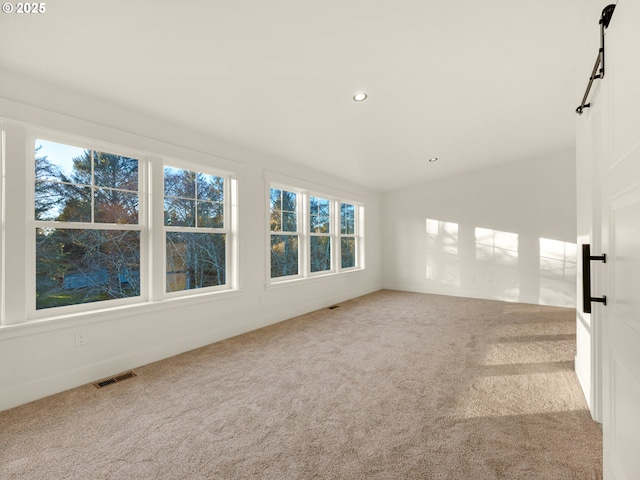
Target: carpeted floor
pixel 392 385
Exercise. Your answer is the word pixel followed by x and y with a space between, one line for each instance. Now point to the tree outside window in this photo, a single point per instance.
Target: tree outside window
pixel 347 235
pixel 196 238
pixel 324 240
pixel 87 226
pixel 284 233
pixel 320 230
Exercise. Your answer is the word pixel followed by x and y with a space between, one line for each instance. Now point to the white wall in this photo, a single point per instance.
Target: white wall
pixel 38 358
pixel 504 233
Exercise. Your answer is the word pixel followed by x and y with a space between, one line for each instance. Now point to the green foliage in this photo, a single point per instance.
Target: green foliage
pixel 75 266
pixel 284 255
pixel 86 265
pixel 193 199
pixel 347 219
pixel 284 218
pixel 320 253
pixel 348 252
pixel 195 260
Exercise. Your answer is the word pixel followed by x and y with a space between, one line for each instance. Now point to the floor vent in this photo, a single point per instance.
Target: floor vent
pixel 116 379
pixel 332 307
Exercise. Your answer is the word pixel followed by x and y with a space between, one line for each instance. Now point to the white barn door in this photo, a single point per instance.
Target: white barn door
pixel 619 278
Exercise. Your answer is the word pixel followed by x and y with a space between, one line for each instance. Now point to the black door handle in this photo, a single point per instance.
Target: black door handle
pixel 586 278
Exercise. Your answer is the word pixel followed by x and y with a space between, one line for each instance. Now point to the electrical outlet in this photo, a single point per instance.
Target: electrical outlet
pixel 81 339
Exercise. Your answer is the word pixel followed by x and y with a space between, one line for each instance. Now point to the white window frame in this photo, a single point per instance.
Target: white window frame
pixel 355 235
pixel 33 224
pixel 301 224
pixel 229 214
pixel 331 235
pixel 150 225
pixel 304 191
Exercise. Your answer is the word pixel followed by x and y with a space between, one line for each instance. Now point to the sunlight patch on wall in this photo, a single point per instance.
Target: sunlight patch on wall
pixel 496 246
pixel 557 258
pixel 444 235
pixel 501 265
pixel 443 263
pixel 558 271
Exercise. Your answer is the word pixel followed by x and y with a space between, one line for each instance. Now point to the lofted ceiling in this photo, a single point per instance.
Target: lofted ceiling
pixel 474 83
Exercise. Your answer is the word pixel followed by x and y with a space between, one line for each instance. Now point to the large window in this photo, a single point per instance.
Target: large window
pixel 87 225
pixel 195 229
pixel 92 211
pixel 325 239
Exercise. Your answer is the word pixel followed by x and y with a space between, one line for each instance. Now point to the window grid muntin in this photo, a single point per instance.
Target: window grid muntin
pixel 280 213
pixel 196 198
pixel 93 186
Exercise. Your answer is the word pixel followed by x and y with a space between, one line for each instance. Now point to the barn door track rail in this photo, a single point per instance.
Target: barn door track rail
pixel 598 68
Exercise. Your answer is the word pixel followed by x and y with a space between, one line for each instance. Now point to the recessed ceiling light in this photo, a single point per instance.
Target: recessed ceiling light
pixel 433 159
pixel 359 97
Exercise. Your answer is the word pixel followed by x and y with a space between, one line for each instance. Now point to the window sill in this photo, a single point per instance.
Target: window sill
pixel 312 279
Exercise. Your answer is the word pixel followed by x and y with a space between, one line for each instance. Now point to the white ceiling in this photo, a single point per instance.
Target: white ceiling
pixel 475 83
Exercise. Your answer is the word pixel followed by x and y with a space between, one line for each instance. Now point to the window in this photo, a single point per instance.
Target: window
pixel 324 240
pixel 195 229
pixel 92 242
pixel 347 235
pixel 320 229
pixel 285 259
pixel 87 225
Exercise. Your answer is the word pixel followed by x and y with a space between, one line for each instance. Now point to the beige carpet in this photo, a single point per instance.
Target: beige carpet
pixel 391 385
